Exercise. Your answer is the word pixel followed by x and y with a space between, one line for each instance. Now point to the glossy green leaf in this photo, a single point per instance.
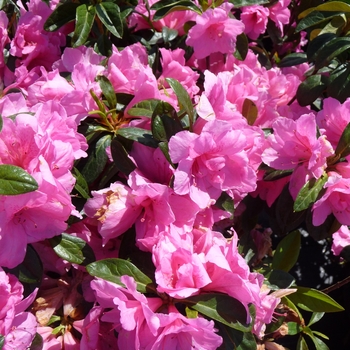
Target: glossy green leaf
pixel 112 269
pixel 103 45
pixel 293 59
pixel 287 252
pixel 140 135
pixel 191 313
pixel 2 341
pixel 272 174
pixel 280 279
pixel 97 159
pixel 343 147
pixel 316 19
pixel 108 91
pixel 310 89
pixel 80 184
pixel 318 44
pixel 109 14
pixel 234 339
pixel 313 300
pixel 249 111
pixel 183 98
pixel 169 34
pixel 294 328
pixel 332 49
pixel 315 317
pixel 339 83
pixel 14 180
pixel 84 20
pixel 144 108
pixel 319 344
pixel 37 343
pixel 240 3
pixel 120 158
pixel 164 127
pixel 302 345
pixel 164 7
pixel 221 308
pixel 336 25
pixel 225 202
pixel 309 193
pixel 334 6
pixel 242 47
pixel 73 249
pixel 292 306
pixel 164 147
pixel 1 123
pixel 62 14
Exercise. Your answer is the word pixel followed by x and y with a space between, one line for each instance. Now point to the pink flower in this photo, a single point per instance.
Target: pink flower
pixel 279 13
pixel 254 19
pixel 115 209
pixel 341 239
pixel 214 31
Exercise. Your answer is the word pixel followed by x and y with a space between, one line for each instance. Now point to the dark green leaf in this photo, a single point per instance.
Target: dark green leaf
pixel 120 158
pixel 234 339
pixel 319 344
pixel 1 122
pixel 169 34
pixel 2 341
pixel 241 47
pixel 164 147
pixel 84 20
pixel 280 279
pixel 310 89
pixel 317 44
pixel 287 252
pixel 302 345
pixel 112 269
pixel 144 108
pixel 97 160
pixel 309 193
pixel 183 98
pixel 345 253
pixel 164 7
pixel 140 135
pixel 108 91
pixel 313 300
pixel 249 111
pixel 73 249
pixel 30 271
pixel 222 308
pixel 14 180
pixel 293 59
pixel 81 185
pixel 109 14
pixel 37 343
pixel 316 18
pixel 272 174
pixel 240 3
pixel 103 45
pixel 225 202
pixel 164 127
pixel 339 83
pixel 343 147
pixel 62 14
pixel 331 49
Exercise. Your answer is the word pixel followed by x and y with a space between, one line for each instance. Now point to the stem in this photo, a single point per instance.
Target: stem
pixel 336 285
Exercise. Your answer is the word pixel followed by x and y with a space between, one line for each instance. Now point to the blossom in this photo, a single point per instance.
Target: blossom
pixel 254 19
pixel 214 31
pixel 341 239
pixel 279 13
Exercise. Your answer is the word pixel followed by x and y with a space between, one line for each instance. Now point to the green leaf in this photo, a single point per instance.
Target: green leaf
pixel 242 47
pixel 294 328
pixel 62 14
pixel 164 7
pixel 310 89
pixel 73 249
pixel 240 3
pixel 222 308
pixel 163 126
pixel 2 341
pixel 164 147
pixel 309 193
pixel 169 34
pixel 1 122
pixel 97 160
pixel 108 91
pixel 120 158
pixel 225 202
pixel 84 20
pixel 317 44
pixel 302 345
pixel 343 147
pixel 293 59
pixel 280 279
pixel 37 343
pixel 339 83
pixel 315 317
pixel 234 339
pixel 144 108
pixel 81 185
pixel 109 14
pixel 313 300
pixel 249 111
pixel 319 344
pixel 334 6
pixel 183 98
pixel 140 135
pixel 103 45
pixel 287 252
pixel 14 180
pixel 272 174
pixel 112 269
pixel 315 19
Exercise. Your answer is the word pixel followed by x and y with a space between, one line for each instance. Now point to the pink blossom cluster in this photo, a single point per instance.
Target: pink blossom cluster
pixel 170 201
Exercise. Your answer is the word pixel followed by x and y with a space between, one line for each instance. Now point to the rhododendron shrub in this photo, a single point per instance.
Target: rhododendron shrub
pixel 161 164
